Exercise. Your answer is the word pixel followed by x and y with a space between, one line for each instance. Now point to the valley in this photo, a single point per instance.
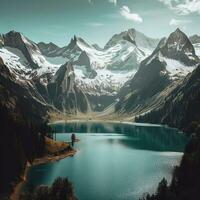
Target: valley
pixel 91 91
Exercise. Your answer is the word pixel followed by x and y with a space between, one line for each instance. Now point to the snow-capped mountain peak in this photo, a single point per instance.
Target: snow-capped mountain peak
pixel 178 41
pixel 174 55
pixel 23 56
pixel 179 47
pixel 135 37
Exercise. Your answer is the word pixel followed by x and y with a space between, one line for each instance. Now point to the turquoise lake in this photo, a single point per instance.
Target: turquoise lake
pixel 114 161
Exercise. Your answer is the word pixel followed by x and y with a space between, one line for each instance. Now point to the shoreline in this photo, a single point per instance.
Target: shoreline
pixel 53 158
pixel 105 121
pixel 38 161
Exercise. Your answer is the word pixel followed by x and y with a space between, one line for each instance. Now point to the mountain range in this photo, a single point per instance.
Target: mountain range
pixel 131 75
pixel 134 77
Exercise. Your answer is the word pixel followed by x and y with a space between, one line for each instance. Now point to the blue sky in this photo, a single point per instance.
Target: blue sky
pixel 97 20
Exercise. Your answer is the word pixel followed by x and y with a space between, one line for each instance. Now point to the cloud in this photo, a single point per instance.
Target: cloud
pixel 113 1
pixel 178 22
pixel 110 1
pixel 94 24
pixel 125 12
pixel 183 7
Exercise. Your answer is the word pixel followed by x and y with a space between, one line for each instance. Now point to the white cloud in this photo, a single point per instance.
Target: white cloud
pixel 113 1
pixel 125 12
pixel 183 7
pixel 94 24
pixel 110 1
pixel 178 22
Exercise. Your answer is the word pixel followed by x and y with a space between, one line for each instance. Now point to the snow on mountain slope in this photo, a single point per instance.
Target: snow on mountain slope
pixel 175 68
pixel 195 40
pixel 179 47
pixel 26 55
pixel 15 61
pixel 176 53
pixel 116 57
pixel 18 64
pixel 104 71
pixel 99 70
pixel 121 54
pixel 105 83
pixel 169 63
pixel 135 37
pixel 36 54
pixel 197 49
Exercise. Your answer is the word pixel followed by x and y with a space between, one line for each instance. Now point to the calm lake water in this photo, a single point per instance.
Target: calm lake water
pixel 114 161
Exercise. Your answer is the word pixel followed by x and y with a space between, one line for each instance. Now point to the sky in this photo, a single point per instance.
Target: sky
pixel 97 20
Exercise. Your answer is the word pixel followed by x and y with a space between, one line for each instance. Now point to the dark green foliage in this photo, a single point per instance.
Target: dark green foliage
pixel 181 109
pixel 23 127
pixel 21 141
pixel 185 183
pixel 61 189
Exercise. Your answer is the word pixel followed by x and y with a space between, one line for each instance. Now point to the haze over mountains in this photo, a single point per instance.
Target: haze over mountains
pixel 131 75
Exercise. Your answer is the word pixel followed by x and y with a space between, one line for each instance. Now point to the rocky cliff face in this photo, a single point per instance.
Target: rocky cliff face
pixel 102 76
pixel 179 47
pixel 181 106
pixel 49 49
pixel 17 40
pixel 63 92
pixel 171 61
pixel 195 39
pixel 1 41
pixel 135 37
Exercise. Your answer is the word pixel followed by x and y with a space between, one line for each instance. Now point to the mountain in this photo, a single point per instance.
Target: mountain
pixel 63 92
pixel 96 67
pixel 181 106
pixel 29 49
pixel 23 113
pixel 179 47
pixel 49 49
pixel 1 40
pixel 181 110
pixel 97 47
pixel 100 77
pixel 19 53
pixel 24 56
pixel 177 53
pixel 195 39
pixel 135 37
pixel 171 61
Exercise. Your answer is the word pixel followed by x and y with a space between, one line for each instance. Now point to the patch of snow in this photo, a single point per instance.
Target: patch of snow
pixel 176 68
pixel 17 62
pixel 106 81
pixel 14 59
pixel 197 49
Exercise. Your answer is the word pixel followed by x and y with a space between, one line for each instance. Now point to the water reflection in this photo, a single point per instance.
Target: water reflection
pixel 114 161
pixel 156 138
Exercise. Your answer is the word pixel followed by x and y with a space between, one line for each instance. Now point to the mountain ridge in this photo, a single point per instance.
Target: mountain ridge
pixel 122 65
pixel 158 71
